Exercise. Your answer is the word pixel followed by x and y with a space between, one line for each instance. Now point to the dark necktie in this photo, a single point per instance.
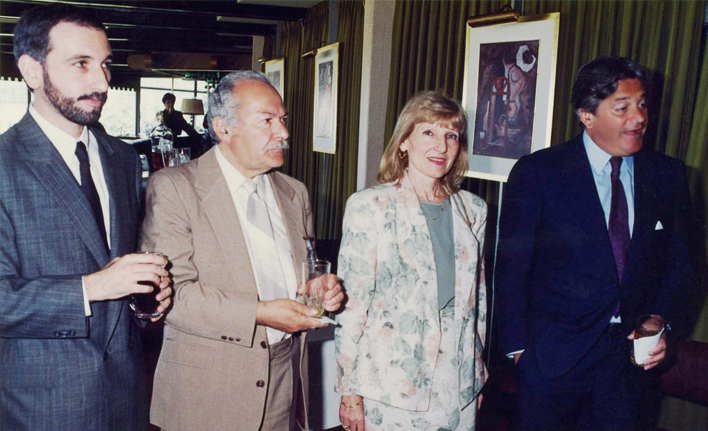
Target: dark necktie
pixel 89 188
pixel 619 221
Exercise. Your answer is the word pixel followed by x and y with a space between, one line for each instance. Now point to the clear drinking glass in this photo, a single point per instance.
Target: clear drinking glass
pixel 313 272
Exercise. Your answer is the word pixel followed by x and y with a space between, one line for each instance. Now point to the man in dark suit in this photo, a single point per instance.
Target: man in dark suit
pixel 70 356
pixel 593 234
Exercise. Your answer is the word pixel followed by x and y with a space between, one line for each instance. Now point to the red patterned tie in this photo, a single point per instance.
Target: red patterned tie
pixel 619 221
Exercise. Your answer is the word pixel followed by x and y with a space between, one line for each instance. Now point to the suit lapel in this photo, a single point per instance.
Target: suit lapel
pixel 644 209
pixel 463 221
pixel 218 205
pixel 414 243
pixel 53 173
pixel 113 172
pixel 584 202
pixel 295 225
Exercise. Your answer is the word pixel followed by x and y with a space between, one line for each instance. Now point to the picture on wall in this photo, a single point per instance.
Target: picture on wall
pixel 506 98
pixel 275 71
pixel 508 92
pixel 325 113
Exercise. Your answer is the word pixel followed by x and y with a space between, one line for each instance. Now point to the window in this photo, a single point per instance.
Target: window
pixel 13 103
pixel 118 116
pixel 151 92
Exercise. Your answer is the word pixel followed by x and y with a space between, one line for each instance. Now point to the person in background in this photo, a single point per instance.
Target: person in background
pixel 175 121
pixel 70 355
pixel 233 227
pixel 409 348
pixel 593 234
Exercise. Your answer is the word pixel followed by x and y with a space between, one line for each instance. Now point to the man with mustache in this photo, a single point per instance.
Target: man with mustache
pixel 70 356
pixel 593 234
pixel 234 347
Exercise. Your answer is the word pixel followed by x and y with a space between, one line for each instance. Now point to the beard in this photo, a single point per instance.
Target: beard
pixel 67 106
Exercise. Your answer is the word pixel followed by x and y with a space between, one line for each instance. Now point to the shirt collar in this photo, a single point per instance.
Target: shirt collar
pixel 234 177
pixel 599 158
pixel 64 143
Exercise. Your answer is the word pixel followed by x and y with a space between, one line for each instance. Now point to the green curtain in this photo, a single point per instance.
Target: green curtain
pixel 340 170
pixel 330 178
pixel 666 36
pixel 298 38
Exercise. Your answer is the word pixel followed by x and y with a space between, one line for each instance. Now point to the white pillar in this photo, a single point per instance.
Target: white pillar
pixel 375 69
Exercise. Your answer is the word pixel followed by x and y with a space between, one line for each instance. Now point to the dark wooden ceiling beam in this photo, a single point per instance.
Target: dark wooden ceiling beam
pixel 131 18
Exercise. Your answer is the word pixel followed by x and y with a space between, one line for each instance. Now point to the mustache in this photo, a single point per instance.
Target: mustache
pixel 281 145
pixel 102 97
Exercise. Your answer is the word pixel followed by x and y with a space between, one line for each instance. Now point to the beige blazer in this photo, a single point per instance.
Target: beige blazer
pixel 213 370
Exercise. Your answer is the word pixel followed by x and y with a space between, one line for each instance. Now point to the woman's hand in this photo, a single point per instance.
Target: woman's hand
pixel 351 413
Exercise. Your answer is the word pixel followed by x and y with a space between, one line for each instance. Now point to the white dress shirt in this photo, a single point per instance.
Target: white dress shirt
pixel 234 179
pixel 66 146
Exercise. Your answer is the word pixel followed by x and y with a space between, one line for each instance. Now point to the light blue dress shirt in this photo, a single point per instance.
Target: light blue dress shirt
pixel 601 170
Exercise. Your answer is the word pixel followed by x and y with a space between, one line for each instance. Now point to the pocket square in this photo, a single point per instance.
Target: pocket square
pixel 659 226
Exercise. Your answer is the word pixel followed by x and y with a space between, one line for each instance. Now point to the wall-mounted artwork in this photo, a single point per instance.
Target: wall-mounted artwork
pixel 326 84
pixel 508 92
pixel 275 71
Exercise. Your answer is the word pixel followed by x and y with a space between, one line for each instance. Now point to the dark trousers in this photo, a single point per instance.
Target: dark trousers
pixel 597 394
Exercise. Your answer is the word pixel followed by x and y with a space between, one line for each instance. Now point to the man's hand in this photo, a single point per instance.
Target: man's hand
pixel 332 297
pixel 121 276
pixel 164 297
pixel 658 352
pixel 287 315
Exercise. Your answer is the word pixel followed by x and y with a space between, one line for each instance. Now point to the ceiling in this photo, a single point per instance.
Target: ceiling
pixel 171 37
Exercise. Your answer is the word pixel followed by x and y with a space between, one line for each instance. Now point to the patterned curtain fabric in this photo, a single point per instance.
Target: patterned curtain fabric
pixel 666 36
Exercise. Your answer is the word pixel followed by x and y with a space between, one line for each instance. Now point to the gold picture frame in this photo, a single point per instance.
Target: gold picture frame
pixel 508 91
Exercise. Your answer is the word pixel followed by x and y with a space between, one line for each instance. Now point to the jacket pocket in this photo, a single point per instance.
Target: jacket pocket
pixel 188 354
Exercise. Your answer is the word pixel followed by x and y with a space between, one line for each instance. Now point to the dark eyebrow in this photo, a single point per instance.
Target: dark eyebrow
pixel 88 57
pixel 625 98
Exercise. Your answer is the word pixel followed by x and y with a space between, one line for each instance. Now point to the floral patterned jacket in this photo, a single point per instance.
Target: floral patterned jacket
pixel 388 341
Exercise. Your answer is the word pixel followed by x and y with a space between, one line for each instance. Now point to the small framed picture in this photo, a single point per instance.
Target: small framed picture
pixel 326 84
pixel 275 71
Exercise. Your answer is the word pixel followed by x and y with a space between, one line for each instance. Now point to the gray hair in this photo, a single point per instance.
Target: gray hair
pixel 222 102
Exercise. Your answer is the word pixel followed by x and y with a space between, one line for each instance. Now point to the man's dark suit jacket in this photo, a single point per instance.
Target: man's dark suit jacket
pixel 556 278
pixel 61 370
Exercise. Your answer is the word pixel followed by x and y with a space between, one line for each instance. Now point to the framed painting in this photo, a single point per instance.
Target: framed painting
pixel 325 113
pixel 508 91
pixel 275 71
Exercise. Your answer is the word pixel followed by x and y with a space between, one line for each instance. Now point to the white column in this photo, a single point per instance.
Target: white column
pixel 376 66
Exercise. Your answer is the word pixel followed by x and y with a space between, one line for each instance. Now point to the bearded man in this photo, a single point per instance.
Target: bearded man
pixel 70 356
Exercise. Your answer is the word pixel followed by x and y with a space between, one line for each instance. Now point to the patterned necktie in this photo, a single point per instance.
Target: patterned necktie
pixel 619 221
pixel 263 246
pixel 89 189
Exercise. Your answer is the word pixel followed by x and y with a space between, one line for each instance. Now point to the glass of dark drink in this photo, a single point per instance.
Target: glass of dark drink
pixel 144 305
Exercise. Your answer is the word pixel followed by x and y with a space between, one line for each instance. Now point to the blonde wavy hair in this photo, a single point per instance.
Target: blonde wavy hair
pixel 426 107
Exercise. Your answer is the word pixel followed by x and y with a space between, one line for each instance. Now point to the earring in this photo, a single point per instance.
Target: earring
pixel 402 154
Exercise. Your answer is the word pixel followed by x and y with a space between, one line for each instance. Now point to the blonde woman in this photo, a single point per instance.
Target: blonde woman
pixel 411 337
